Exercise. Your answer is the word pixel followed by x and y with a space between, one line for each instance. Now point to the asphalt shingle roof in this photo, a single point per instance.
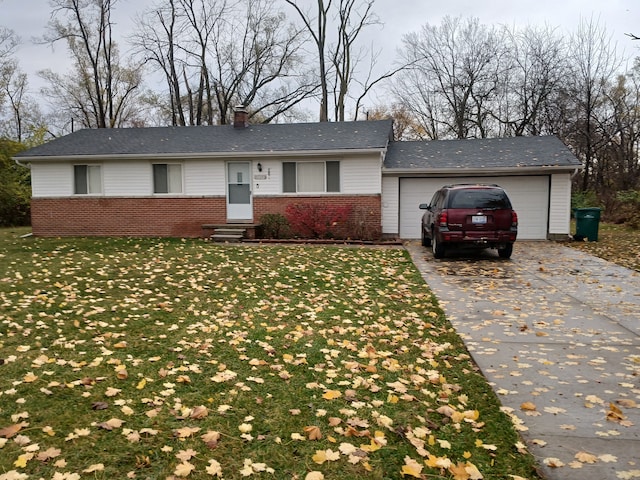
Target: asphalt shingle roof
pixel 480 153
pixel 218 139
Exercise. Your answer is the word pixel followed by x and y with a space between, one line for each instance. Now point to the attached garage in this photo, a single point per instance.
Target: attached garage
pixel 529 195
pixel 535 171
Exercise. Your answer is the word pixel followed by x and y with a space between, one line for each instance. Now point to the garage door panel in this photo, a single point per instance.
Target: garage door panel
pixel 529 195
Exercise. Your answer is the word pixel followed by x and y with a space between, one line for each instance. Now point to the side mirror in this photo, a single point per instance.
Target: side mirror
pixel 425 206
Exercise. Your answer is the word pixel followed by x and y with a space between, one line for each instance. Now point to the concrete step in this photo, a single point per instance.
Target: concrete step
pixel 230 231
pixel 227 237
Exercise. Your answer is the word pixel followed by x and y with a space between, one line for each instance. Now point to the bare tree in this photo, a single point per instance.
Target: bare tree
pixel 216 54
pixel 100 88
pixel 537 69
pixel 336 27
pixel 454 76
pixel 594 63
pixel 317 28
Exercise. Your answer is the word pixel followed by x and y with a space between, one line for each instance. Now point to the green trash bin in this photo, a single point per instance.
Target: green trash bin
pixel 587 222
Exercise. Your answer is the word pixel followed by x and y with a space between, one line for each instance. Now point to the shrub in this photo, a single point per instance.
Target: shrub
pixel 275 225
pixel 584 200
pixel 317 221
pixel 627 209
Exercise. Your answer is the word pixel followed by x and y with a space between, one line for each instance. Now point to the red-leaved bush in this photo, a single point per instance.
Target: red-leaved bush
pixel 317 221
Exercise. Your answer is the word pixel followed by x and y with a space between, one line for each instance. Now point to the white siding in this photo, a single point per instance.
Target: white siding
pixel 361 176
pixel 390 205
pixel 560 204
pixel 206 178
pixel 127 178
pixel 529 195
pixel 51 179
pixel 272 184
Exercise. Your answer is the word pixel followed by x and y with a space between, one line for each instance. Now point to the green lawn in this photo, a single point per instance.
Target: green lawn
pixel 153 359
pixel 617 243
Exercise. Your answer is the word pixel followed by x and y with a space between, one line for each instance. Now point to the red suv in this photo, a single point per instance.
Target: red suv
pixel 477 216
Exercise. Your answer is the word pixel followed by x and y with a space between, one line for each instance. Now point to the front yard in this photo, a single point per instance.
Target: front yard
pixel 153 359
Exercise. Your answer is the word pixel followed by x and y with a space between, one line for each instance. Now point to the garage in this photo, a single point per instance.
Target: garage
pixel 536 172
pixel 529 195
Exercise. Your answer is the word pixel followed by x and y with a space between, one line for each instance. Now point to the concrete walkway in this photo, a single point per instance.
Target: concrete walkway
pixel 557 334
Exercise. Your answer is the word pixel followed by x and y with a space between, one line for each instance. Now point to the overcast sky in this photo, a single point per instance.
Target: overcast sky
pixel 28 18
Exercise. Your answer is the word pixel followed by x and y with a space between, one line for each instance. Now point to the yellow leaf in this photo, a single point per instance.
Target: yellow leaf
pixel 459 471
pixel 30 378
pixel 331 394
pixel 319 457
pixel 371 447
pixel 22 460
pixel 141 384
pixel 411 467
pixel 528 406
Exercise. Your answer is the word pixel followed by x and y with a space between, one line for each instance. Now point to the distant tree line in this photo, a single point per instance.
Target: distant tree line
pixel 456 79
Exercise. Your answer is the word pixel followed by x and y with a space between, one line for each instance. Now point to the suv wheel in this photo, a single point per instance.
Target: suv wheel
pixel 437 247
pixel 426 241
pixel 506 251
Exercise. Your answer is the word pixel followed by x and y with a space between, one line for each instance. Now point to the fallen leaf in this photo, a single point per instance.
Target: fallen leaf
pixel 331 394
pixel 98 467
pixel 111 424
pixel 585 457
pixel 312 432
pixel 184 469
pixel 411 467
pixel 12 430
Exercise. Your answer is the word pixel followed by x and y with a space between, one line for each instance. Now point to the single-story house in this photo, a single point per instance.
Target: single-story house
pixel 172 181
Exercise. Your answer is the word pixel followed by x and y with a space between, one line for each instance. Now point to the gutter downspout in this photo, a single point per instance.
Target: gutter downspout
pixel 22 164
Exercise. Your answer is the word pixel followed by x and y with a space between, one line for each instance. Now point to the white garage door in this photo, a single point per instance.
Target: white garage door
pixel 529 195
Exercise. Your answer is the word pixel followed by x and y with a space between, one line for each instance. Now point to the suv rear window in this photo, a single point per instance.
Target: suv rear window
pixel 479 198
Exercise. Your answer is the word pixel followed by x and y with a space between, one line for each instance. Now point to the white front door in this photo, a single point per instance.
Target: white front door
pixel 239 204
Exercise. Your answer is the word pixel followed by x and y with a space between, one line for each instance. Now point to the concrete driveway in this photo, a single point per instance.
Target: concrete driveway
pixel 557 333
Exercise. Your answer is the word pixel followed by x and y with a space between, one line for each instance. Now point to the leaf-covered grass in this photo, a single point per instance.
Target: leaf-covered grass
pixel 616 243
pixel 152 359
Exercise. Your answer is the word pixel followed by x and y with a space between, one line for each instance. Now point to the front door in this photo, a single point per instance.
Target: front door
pixel 239 206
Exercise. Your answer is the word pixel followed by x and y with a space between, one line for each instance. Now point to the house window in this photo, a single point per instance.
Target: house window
pixel 310 177
pixel 87 179
pixel 167 178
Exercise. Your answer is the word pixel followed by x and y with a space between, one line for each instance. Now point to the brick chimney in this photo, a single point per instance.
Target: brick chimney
pixel 240 117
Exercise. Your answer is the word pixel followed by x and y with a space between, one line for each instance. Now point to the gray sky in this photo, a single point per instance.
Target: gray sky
pixel 28 18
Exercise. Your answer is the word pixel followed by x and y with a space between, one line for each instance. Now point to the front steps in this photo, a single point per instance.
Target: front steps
pixel 231 232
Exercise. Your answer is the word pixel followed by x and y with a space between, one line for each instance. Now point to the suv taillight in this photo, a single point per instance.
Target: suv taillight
pixel 514 219
pixel 443 219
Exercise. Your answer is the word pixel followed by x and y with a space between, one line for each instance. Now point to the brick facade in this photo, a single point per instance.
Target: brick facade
pixel 136 217
pixel 177 216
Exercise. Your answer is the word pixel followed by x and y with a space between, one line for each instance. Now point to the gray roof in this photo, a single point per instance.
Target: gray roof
pixel 491 153
pixel 218 139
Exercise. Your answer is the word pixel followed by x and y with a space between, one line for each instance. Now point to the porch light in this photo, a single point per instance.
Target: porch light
pixel 259 167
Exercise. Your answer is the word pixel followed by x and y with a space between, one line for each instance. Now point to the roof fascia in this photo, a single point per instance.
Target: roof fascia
pixel 485 171
pixel 200 156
